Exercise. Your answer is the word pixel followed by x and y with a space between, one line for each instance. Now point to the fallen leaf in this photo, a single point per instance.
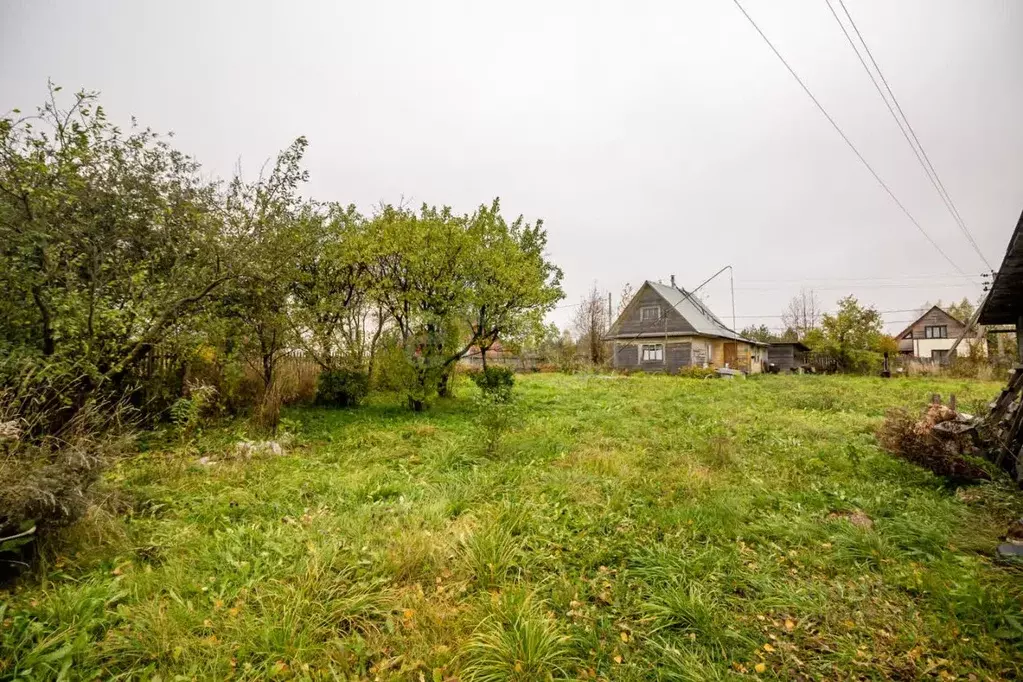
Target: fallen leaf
pixel 625 636
pixel 789 625
pixel 618 659
pixel 768 648
pixel 760 667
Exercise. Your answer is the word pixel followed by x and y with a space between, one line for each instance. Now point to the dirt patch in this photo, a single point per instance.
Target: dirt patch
pixel 856 518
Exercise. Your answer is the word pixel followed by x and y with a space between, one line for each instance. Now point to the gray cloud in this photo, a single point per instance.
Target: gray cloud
pixel 654 138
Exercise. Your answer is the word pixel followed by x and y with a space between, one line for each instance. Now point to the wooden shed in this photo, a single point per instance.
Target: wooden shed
pixel 787 356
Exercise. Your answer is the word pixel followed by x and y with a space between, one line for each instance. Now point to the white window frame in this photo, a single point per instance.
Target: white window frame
pixel 656 352
pixel 643 313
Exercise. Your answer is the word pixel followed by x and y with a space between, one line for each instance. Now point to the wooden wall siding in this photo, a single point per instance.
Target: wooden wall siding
pixel 937 318
pixel 630 323
pixel 785 358
pixel 626 355
pixel 679 355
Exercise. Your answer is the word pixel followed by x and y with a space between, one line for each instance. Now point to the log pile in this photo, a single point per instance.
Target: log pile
pixel 1002 428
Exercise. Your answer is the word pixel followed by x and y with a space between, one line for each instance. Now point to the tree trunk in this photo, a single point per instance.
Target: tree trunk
pixel 483 357
pixel 444 384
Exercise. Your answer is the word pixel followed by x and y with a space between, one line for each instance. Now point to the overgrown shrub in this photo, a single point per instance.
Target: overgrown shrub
pixel 341 388
pixel 911 439
pixel 46 478
pixel 187 413
pixel 496 382
pixel 267 415
pixel 495 415
pixel 697 372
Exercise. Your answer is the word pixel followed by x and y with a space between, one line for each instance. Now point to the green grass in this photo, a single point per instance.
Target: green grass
pixel 639 528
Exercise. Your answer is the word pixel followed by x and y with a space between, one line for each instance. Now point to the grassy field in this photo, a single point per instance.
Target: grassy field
pixel 623 529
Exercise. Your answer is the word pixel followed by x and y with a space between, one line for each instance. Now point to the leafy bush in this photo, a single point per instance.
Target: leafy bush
pixel 496 382
pixel 341 387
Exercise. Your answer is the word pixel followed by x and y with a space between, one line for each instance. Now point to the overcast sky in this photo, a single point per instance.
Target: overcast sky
pixel 652 138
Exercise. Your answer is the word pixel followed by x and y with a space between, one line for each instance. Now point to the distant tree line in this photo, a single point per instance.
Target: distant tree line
pixel 113 245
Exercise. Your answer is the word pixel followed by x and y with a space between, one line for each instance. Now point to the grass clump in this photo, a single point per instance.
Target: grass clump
pixel 490 555
pixel 518 641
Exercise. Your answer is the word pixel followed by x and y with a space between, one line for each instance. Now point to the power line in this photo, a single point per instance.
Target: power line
pixel 880 312
pixel 906 129
pixel 865 279
pixel 847 140
pixel 890 285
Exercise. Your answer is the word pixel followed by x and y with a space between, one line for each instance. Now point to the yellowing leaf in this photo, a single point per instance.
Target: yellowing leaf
pixel 518 666
pixel 768 648
pixel 618 659
pixel 760 667
pixel 789 625
pixel 625 636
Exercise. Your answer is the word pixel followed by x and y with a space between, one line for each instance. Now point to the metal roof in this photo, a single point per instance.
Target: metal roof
pixel 1004 302
pixel 798 345
pixel 696 313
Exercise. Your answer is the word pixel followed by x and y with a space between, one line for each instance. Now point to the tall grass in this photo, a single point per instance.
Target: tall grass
pixel 641 528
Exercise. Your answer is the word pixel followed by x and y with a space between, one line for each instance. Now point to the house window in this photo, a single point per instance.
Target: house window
pixel 649 312
pixel 909 335
pixel 940 356
pixel 936 332
pixel 652 353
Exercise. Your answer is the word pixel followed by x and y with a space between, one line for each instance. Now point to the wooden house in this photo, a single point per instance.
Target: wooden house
pixel 787 356
pixel 932 336
pixel 665 328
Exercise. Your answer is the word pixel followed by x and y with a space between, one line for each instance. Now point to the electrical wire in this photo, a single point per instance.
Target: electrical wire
pixel 844 137
pixel 907 128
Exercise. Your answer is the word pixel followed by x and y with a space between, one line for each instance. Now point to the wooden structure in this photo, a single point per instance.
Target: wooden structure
pixel 787 356
pixel 1004 302
pixel 665 328
pixel 1004 305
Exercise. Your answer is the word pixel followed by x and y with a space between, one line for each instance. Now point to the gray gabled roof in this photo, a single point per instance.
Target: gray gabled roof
pixel 696 312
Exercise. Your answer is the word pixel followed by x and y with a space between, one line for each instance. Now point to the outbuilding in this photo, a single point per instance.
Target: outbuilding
pixel 787 356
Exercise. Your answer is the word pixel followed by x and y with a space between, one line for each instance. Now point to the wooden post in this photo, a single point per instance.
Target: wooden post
pixel 1019 338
